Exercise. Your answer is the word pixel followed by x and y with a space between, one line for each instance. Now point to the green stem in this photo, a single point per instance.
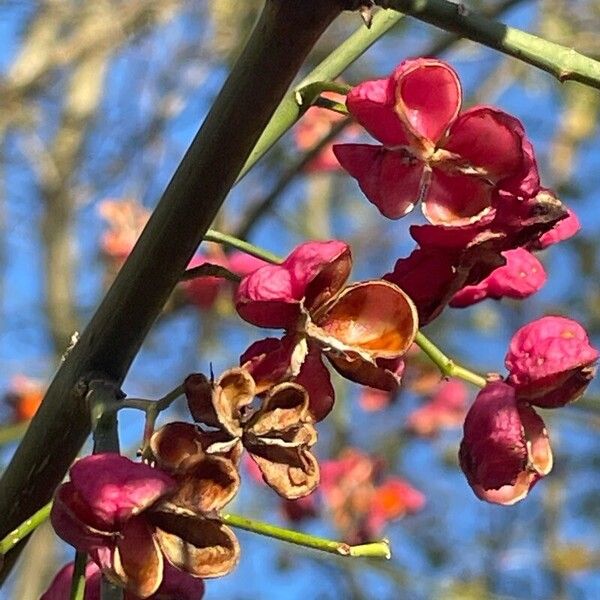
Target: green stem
pixel 445 364
pixel 309 93
pixel 288 111
pixel 380 549
pixel 562 62
pixel 78 579
pixel 223 238
pixel 24 529
pixel 154 405
pixel 104 400
pixel 152 408
pixel 166 401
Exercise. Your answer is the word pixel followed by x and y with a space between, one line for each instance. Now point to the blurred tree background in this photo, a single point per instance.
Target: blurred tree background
pixel 99 100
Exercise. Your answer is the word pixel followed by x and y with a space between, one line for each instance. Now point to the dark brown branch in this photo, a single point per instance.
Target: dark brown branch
pixel 281 39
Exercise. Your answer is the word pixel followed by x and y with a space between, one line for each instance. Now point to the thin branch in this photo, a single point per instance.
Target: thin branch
pixel 24 529
pixel 289 111
pixel 78 578
pixel 380 549
pixel 446 41
pixel 564 63
pixel 247 247
pixel 336 107
pixel 445 364
pixel 152 408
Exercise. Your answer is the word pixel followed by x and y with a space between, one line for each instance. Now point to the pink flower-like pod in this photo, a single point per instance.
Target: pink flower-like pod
pixel 432 275
pixel 243 264
pixel 203 291
pixel 447 408
pixel 505 448
pixel 563 230
pixel 271 361
pixel 363 328
pixel 550 361
pixel 426 276
pixel 393 499
pixel 175 585
pixel 521 276
pixel 272 295
pixel 516 221
pixel 116 511
pixel 429 151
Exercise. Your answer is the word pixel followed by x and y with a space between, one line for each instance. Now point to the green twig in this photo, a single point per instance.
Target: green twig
pixel 445 41
pixel 380 549
pixel 445 364
pixel 78 579
pixel 562 62
pixel 24 529
pixel 152 408
pixel 229 240
pixel 166 401
pixel 309 93
pixel 153 405
pixel 337 62
pixel 104 400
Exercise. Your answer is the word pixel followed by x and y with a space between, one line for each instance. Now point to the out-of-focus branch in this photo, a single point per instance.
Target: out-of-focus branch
pixel 40 40
pixel 581 105
pixel 281 39
pixel 260 208
pixel 561 61
pixel 91 32
pixel 80 106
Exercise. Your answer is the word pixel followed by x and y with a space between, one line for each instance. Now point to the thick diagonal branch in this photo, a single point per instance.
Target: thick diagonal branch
pixel 279 43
